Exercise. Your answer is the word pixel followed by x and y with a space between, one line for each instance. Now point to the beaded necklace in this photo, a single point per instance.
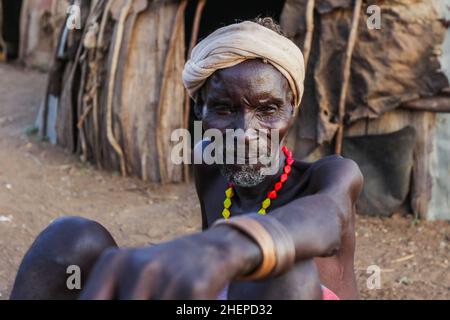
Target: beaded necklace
pixel 271 195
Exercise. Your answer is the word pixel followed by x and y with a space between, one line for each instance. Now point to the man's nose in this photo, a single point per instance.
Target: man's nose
pixel 245 121
pixel 244 129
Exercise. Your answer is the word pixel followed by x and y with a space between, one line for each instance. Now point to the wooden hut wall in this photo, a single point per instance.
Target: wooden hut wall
pixel 143 112
pixel 123 93
pixel 430 189
pixel 379 83
pixel 40 23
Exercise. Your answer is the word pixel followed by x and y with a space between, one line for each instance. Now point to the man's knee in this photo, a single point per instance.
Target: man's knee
pixel 66 242
pixel 75 239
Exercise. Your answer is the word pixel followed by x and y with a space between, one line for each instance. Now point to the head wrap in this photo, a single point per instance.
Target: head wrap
pixel 233 44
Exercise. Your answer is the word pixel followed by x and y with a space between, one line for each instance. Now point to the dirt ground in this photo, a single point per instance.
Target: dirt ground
pixel 40 182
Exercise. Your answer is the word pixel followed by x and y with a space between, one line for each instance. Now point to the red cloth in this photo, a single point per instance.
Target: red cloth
pixel 327 294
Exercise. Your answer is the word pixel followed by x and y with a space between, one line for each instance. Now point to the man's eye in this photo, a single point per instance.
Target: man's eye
pixel 268 110
pixel 223 110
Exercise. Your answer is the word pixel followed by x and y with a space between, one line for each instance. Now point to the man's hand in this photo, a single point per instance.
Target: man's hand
pixel 193 267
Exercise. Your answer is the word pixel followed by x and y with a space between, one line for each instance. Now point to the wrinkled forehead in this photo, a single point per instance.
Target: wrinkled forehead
pixel 249 78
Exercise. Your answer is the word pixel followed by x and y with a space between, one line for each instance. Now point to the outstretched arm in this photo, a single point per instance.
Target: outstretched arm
pixel 200 265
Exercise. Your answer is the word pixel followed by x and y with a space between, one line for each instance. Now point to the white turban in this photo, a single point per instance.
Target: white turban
pixel 233 44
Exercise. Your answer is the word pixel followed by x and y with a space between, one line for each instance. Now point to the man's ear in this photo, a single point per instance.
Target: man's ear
pixel 296 108
pixel 198 107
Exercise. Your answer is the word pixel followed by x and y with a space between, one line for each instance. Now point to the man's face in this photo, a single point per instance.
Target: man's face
pixel 251 96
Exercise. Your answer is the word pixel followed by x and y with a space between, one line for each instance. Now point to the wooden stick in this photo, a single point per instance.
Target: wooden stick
pixel 196 26
pixel 432 104
pixel 84 115
pixel 346 75
pixel 421 178
pixel 97 56
pixel 111 81
pixel 403 259
pixel 309 31
pixel 80 106
pixel 101 32
pixel 194 37
pixel 187 100
pixel 84 96
pixel 168 64
pixel 23 29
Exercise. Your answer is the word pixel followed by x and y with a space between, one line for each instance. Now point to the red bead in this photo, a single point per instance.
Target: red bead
pixel 289 161
pixel 278 186
pixel 284 177
pixel 289 154
pixel 284 149
pixel 287 169
pixel 272 195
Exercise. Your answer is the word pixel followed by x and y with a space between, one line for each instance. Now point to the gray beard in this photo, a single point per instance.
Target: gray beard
pixel 246 177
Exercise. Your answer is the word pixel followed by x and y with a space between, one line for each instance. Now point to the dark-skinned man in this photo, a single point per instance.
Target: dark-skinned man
pixel 288 235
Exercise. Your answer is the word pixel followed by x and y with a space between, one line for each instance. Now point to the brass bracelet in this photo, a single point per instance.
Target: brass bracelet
pixel 284 244
pixel 262 237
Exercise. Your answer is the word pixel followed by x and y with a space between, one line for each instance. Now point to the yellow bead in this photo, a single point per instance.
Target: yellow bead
pixel 226 213
pixel 266 203
pixel 262 211
pixel 229 193
pixel 227 203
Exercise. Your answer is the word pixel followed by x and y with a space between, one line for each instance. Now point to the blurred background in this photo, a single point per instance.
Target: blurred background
pixel 90 91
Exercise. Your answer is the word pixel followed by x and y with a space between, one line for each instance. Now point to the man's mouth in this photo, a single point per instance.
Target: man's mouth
pixel 243 175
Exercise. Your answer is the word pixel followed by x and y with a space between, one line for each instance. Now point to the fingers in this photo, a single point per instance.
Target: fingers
pixel 143 274
pixel 102 281
pixel 143 285
pixel 189 286
pixel 155 282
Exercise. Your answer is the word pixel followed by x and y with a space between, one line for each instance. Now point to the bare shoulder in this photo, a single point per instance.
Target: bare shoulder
pixel 337 175
pixel 339 163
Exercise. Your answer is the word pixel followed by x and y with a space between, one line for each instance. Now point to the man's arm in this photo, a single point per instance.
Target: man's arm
pixel 314 222
pixel 200 265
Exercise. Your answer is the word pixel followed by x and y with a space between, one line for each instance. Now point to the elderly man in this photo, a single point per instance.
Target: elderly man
pixel 288 235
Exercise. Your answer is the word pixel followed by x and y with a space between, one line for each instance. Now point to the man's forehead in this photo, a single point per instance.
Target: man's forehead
pixel 254 68
pixel 262 96
pixel 251 76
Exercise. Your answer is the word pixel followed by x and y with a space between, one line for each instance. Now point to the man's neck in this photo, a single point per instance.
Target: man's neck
pixel 249 196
